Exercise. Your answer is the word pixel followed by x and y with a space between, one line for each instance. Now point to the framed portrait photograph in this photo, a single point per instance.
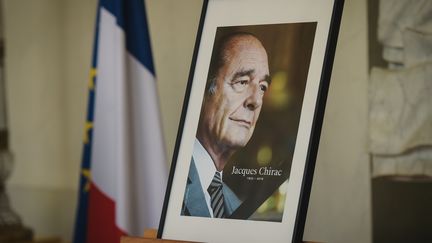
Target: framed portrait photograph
pixel 245 153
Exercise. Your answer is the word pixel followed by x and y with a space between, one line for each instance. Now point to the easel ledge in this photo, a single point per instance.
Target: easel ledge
pixel 150 237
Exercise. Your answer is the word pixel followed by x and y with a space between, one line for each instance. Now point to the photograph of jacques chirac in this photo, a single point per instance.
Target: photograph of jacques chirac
pixel 248 124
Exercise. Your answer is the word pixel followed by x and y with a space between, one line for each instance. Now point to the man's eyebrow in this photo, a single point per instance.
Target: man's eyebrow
pixel 268 79
pixel 242 73
pixel 250 72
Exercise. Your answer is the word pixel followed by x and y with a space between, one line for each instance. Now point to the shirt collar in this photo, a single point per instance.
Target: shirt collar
pixel 204 164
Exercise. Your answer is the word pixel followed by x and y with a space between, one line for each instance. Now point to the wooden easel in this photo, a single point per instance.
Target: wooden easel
pixel 150 237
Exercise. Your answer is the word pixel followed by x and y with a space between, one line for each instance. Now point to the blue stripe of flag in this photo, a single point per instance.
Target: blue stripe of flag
pixel 131 16
pixel 80 231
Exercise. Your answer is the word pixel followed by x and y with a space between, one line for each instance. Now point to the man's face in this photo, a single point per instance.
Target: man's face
pixel 230 114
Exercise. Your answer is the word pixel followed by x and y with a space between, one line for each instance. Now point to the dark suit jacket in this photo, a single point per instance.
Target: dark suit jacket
pixel 194 203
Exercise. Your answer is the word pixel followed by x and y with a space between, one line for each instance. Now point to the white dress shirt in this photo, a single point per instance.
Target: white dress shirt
pixel 206 170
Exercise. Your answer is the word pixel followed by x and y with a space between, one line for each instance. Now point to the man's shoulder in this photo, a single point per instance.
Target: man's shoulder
pixel 193 172
pixel 232 202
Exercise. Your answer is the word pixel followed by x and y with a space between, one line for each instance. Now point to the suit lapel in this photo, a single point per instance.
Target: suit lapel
pixel 194 197
pixel 231 201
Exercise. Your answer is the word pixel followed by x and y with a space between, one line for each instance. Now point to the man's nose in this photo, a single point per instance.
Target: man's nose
pixel 254 98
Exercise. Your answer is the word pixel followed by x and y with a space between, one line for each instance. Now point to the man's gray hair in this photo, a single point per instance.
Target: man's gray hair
pixel 218 58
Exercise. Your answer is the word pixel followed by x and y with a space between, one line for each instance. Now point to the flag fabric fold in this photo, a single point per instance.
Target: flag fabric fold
pixel 124 169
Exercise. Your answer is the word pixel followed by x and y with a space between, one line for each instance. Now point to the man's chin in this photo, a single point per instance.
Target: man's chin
pixel 236 143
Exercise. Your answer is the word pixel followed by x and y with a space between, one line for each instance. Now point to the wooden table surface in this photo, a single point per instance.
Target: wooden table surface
pixel 150 237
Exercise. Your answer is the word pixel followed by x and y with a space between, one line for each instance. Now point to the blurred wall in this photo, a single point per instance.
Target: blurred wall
pixel 340 206
pixel 48 53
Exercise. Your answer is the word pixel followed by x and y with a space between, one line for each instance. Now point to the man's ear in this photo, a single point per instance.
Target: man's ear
pixel 210 87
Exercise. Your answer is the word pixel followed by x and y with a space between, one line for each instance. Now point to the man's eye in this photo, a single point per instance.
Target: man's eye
pixel 240 85
pixel 263 87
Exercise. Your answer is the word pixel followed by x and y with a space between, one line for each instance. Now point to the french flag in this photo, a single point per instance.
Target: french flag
pixel 124 169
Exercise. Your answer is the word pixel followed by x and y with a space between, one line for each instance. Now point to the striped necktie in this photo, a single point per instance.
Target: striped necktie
pixel 216 196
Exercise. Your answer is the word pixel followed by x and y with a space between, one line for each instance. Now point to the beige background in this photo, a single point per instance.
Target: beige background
pixel 48 53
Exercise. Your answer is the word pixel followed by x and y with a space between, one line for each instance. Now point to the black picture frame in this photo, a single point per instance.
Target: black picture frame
pixel 326 60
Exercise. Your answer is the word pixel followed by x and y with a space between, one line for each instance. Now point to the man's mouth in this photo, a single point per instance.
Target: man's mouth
pixel 242 122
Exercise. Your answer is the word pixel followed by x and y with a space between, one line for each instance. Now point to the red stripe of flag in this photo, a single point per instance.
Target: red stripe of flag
pixel 101 226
